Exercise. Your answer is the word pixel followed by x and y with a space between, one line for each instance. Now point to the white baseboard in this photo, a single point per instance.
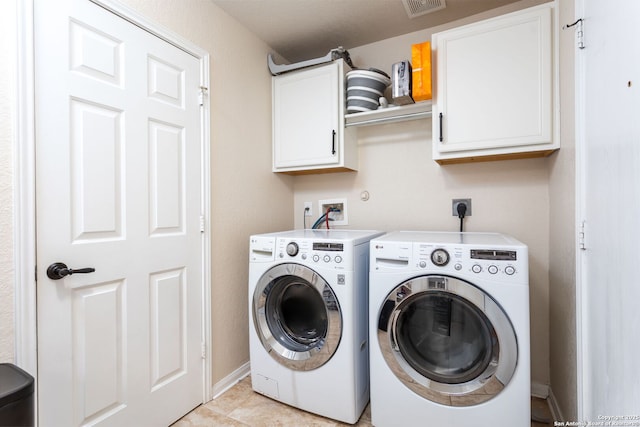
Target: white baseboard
pixel 544 391
pixel 230 380
pixel 553 406
pixel 539 390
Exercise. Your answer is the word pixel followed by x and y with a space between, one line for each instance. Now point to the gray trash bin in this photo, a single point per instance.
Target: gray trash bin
pixel 16 397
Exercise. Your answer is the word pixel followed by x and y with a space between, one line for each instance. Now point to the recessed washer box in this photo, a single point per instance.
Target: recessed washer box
pixel 336 218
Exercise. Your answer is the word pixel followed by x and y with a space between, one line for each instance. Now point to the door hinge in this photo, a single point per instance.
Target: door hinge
pixel 203 350
pixel 201 223
pixel 202 94
pixel 581 236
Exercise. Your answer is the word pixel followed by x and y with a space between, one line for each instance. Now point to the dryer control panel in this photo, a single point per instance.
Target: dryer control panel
pixel 479 261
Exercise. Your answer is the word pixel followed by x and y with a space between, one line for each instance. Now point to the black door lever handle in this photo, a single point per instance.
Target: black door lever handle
pixel 58 270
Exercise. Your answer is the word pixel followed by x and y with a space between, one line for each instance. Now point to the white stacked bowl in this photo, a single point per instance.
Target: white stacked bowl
pixel 364 89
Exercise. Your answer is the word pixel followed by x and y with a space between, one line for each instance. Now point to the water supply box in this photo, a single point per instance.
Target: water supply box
pixel 421 74
pixel 401 83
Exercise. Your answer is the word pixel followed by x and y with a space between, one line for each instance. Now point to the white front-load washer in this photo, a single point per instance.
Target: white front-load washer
pixel 308 306
pixel 449 330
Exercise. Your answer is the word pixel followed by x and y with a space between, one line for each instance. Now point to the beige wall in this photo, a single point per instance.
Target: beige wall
pixel 409 191
pixel 562 254
pixel 7 43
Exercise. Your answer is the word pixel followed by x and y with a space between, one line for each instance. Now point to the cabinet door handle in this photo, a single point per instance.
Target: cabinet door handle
pixel 333 143
pixel 440 127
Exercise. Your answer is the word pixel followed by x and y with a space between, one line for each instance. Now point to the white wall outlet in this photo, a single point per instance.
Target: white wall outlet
pixel 338 215
pixel 308 208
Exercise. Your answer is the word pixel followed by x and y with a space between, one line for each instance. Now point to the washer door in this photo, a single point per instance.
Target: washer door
pixel 297 316
pixel 447 340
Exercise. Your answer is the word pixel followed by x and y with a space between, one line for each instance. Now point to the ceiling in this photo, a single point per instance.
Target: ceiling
pixel 307 29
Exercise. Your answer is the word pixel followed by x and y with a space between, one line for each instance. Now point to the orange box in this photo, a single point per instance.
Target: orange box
pixel 421 66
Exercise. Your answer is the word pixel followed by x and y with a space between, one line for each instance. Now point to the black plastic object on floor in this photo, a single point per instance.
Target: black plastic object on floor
pixel 16 397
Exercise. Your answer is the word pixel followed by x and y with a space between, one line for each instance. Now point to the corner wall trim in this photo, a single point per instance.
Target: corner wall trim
pixel 540 390
pixel 554 407
pixel 230 380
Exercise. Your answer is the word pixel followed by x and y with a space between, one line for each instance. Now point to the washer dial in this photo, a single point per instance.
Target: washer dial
pixel 292 249
pixel 440 257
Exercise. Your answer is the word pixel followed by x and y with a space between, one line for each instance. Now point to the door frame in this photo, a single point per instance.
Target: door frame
pixel 26 338
pixel 582 355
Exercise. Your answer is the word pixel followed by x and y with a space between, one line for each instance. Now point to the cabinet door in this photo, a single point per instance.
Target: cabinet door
pixel 494 86
pixel 306 128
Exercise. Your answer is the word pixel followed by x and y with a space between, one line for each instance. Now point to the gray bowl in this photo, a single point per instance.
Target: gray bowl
pixel 364 91
pixel 366 82
pixel 364 94
pixel 361 102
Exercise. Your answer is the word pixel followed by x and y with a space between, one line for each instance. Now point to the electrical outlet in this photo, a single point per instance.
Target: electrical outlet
pixel 308 208
pixel 338 217
pixel 456 202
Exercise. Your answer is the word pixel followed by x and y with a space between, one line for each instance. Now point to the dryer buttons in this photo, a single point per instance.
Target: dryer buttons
pixel 477 268
pixel 510 270
pixel 493 269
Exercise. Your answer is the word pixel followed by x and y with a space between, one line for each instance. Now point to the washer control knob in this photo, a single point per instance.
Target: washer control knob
pixel 422 264
pixel 440 257
pixel 326 258
pixel 316 258
pixel 338 259
pixel 492 269
pixel 476 268
pixel 292 249
pixel 510 270
pixel 458 267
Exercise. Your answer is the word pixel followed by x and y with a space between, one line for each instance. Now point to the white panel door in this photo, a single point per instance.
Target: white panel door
pixel 118 159
pixel 608 103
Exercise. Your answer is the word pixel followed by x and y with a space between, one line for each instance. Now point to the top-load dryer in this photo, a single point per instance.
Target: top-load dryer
pixel 449 330
pixel 308 305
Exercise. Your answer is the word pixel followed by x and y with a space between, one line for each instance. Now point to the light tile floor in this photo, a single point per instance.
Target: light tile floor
pixel 240 406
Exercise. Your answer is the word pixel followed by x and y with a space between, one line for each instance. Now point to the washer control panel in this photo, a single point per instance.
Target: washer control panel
pixel 323 253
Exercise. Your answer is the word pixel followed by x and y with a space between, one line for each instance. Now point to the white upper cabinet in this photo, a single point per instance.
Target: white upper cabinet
pixel 309 134
pixel 494 89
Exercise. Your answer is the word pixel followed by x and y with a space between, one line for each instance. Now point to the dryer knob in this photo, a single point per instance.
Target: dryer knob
pixel 292 249
pixel 440 257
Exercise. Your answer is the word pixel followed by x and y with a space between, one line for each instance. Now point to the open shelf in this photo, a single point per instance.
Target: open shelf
pixel 400 113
